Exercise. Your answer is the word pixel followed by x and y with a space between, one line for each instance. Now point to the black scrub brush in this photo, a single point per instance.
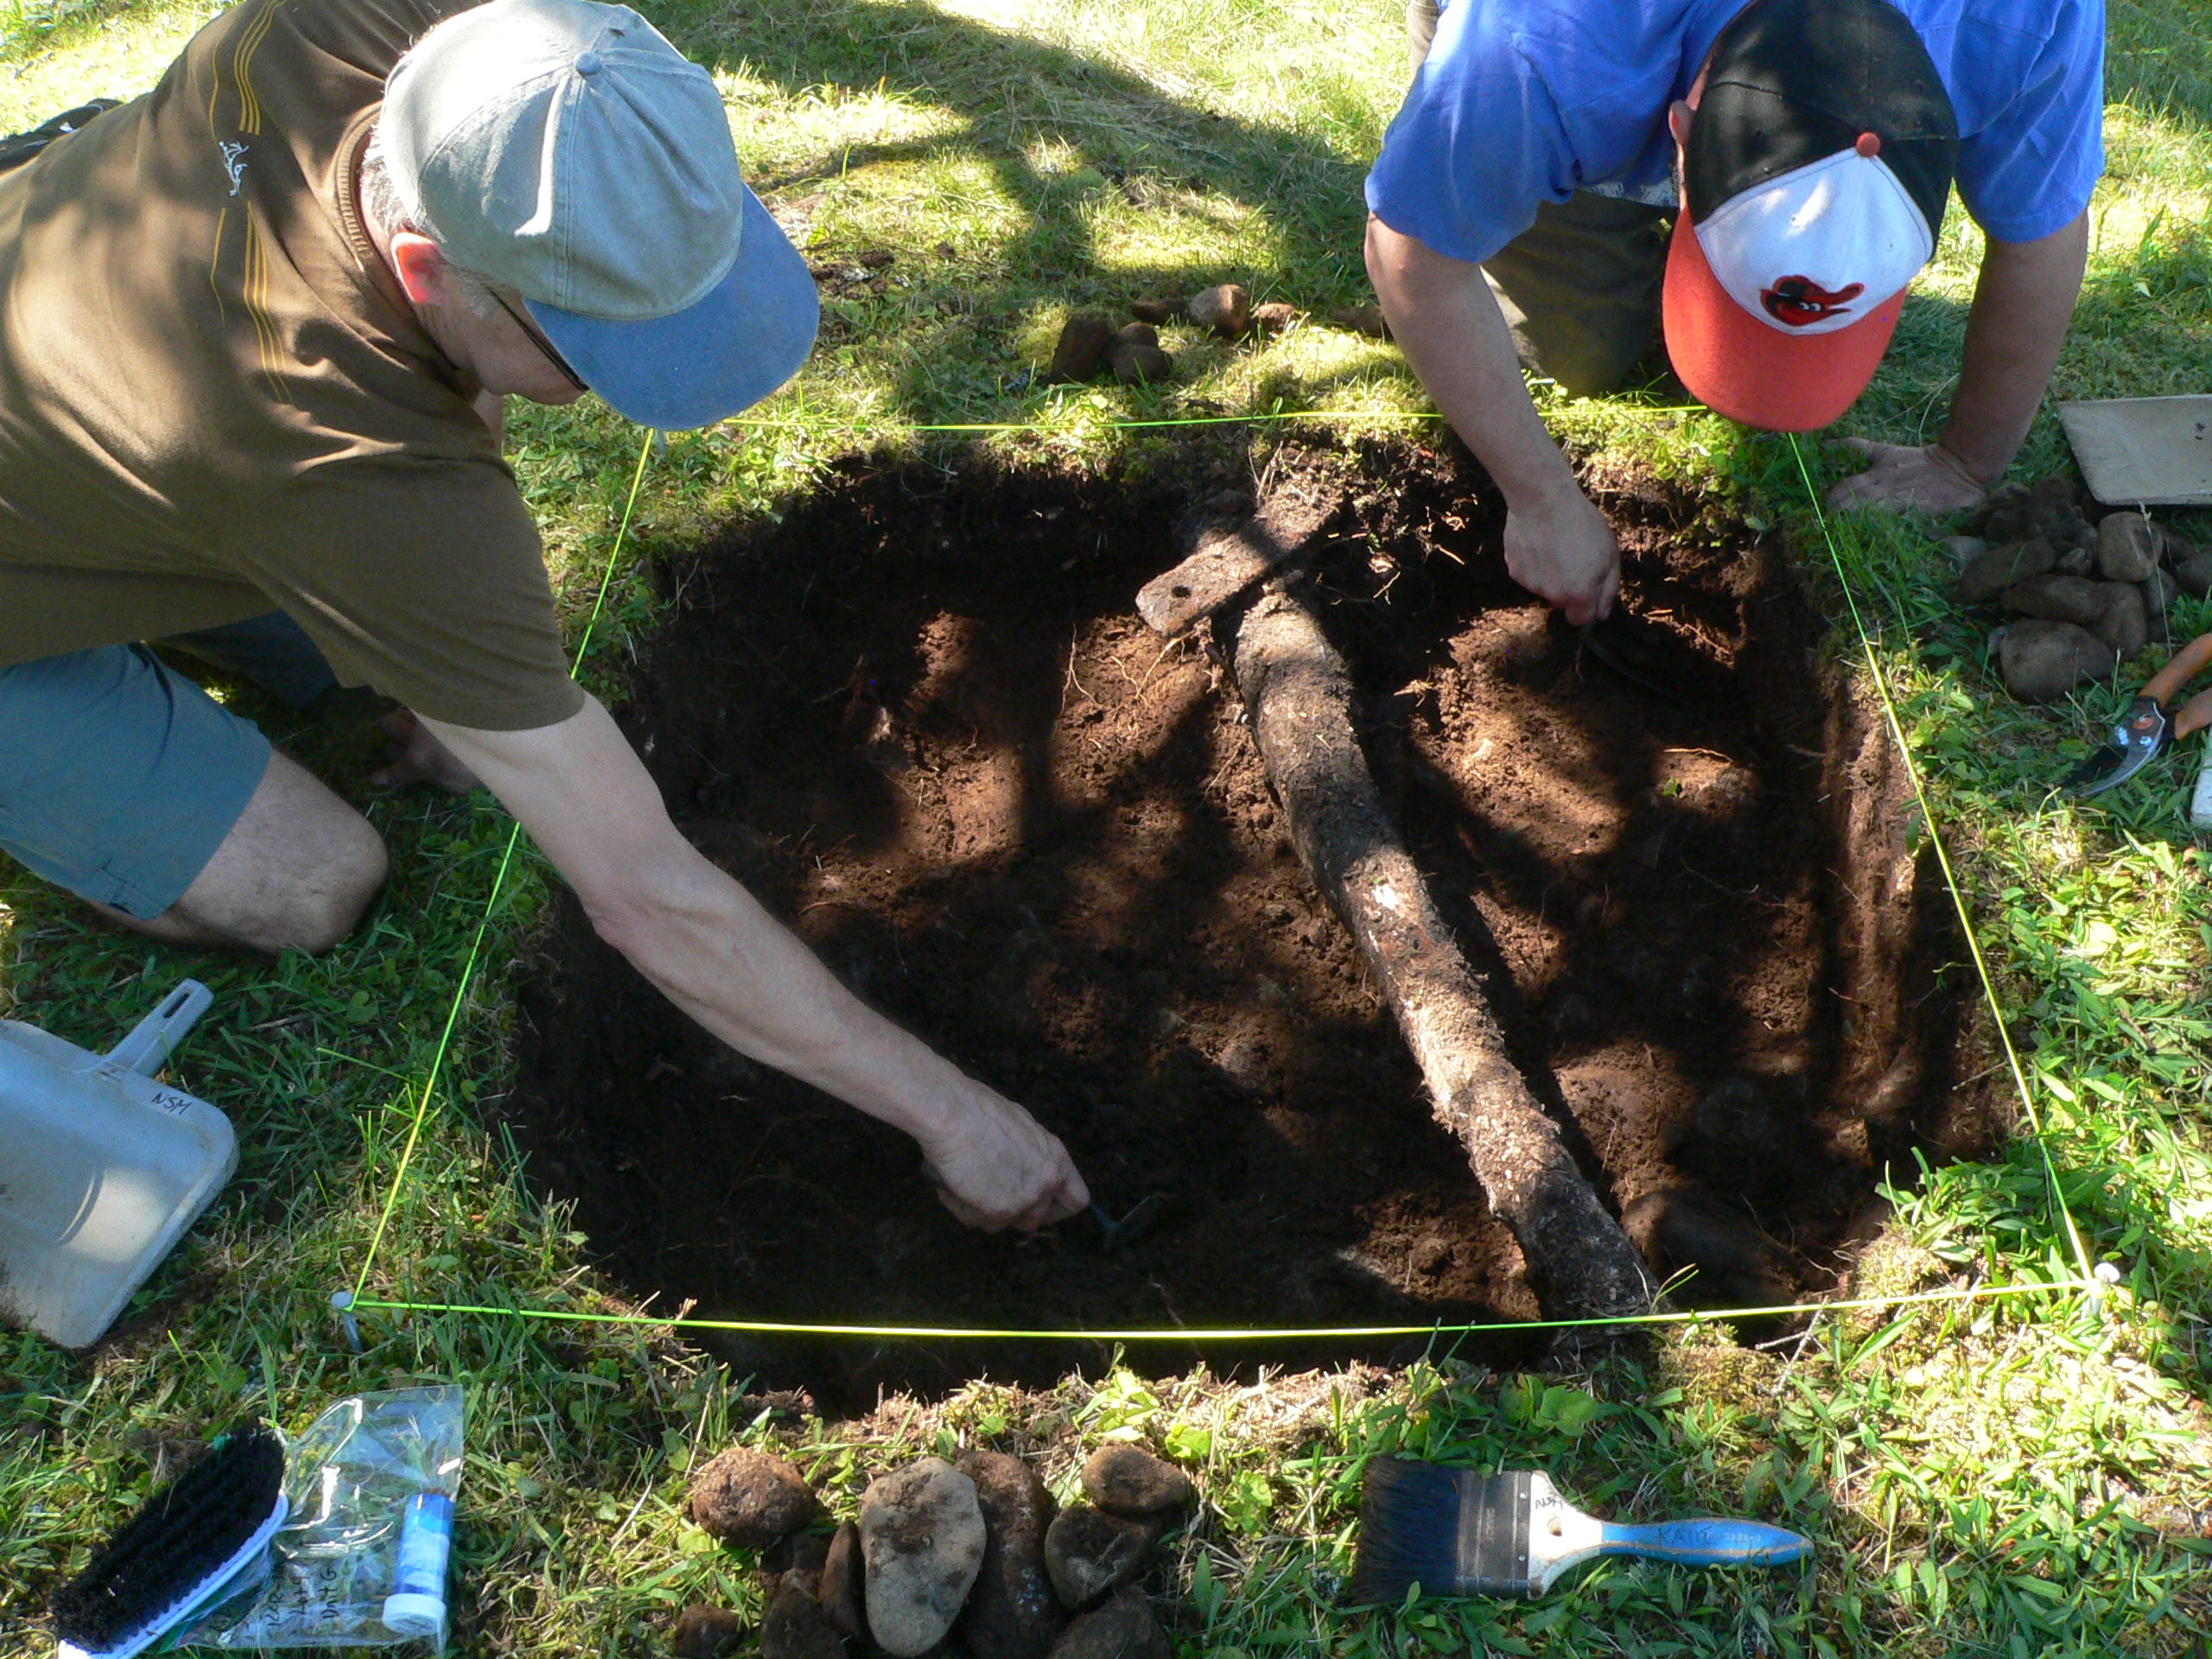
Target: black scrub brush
pixel 187 1541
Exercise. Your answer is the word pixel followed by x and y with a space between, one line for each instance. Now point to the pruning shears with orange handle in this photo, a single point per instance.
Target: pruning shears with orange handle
pixel 2149 726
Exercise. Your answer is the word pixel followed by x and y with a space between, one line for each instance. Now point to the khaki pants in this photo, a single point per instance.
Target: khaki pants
pixel 1579 288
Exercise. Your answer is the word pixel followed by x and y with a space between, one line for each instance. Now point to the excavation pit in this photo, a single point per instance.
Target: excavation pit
pixel 920 719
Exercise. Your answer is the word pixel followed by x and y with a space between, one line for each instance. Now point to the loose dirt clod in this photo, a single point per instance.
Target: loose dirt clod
pixel 1273 316
pixel 922 1539
pixel 2049 509
pixel 798 1551
pixel 795 1627
pixel 1128 1480
pixel 1225 309
pixel 1088 1552
pixel 1123 1629
pixel 2042 660
pixel 750 1499
pixel 1361 319
pixel 2194 572
pixel 704 1632
pixel 1084 341
pixel 1159 311
pixel 1136 356
pixel 1012 1612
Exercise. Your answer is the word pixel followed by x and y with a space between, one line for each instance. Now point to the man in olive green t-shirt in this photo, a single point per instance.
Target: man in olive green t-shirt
pixel 254 330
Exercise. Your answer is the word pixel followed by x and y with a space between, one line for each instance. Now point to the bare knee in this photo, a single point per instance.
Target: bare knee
pixel 296 873
pixel 320 913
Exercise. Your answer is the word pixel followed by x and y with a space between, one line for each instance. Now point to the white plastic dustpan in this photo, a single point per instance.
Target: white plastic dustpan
pixel 101 1169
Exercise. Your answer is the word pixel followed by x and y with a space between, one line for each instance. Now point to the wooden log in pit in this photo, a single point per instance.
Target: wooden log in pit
pixel 1299 697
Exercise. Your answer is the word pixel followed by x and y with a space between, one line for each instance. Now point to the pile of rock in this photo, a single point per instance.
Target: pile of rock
pixel 973 1552
pixel 2087 595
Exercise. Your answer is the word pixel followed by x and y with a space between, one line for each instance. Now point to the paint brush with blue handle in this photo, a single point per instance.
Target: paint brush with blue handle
pixel 1455 1532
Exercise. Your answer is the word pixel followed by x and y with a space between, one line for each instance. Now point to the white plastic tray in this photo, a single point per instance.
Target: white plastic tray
pixel 101 1169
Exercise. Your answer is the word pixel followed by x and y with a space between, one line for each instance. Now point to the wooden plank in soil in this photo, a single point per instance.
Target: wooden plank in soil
pixel 1299 697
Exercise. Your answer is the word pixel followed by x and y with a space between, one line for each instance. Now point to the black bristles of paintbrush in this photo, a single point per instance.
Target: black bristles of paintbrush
pixel 1452 1531
pixel 182 1535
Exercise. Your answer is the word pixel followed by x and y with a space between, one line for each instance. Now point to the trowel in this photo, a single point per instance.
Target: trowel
pixel 1141 1220
pixel 1649 657
pixel 102 1168
pixel 2148 729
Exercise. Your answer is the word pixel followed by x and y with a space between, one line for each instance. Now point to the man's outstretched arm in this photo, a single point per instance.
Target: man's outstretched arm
pixel 583 795
pixel 2022 306
pixel 1557 544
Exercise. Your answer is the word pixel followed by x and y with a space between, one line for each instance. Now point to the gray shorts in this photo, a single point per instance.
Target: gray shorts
pixel 119 778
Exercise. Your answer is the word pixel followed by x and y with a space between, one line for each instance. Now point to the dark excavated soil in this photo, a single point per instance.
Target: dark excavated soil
pixel 919 716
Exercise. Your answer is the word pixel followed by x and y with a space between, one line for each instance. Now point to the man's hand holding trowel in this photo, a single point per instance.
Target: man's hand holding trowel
pixel 2150 726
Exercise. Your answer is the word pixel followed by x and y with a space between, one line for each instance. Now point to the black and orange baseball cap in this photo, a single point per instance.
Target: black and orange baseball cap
pixel 1813 184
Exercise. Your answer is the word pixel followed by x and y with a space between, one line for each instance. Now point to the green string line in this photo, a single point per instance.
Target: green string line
pixel 787 424
pixel 1950 879
pixel 767 423
pixel 483 922
pixel 1347 1332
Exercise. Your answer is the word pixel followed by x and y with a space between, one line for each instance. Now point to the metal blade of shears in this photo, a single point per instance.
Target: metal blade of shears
pixel 2139 739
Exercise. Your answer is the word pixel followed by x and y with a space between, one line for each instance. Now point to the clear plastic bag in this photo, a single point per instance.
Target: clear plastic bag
pixel 374 1470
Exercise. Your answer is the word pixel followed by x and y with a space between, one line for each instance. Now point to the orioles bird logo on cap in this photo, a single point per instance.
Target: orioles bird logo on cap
pixel 1800 300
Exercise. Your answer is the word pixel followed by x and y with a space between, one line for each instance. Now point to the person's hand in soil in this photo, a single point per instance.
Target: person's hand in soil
pixel 584 796
pixel 416 757
pixel 1557 543
pixel 1564 551
pixel 1923 477
pixel 998 1167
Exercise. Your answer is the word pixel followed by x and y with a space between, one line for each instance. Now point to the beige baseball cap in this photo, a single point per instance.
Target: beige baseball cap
pixel 564 149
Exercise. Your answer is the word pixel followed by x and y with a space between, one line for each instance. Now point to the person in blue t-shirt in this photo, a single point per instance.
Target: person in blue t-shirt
pixel 1805 150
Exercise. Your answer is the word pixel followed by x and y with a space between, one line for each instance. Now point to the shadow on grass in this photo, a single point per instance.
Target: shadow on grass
pixel 2157 66
pixel 1129 140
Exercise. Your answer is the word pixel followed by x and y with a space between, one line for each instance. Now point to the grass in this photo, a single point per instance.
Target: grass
pixel 2008 1477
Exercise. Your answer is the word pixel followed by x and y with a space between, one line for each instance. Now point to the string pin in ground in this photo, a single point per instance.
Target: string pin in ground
pixel 341 1304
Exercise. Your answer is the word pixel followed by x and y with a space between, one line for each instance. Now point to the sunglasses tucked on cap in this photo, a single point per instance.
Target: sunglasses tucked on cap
pixel 565 150
pixel 1814 185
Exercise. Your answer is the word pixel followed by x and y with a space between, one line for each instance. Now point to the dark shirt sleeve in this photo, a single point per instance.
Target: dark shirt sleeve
pixel 425 579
